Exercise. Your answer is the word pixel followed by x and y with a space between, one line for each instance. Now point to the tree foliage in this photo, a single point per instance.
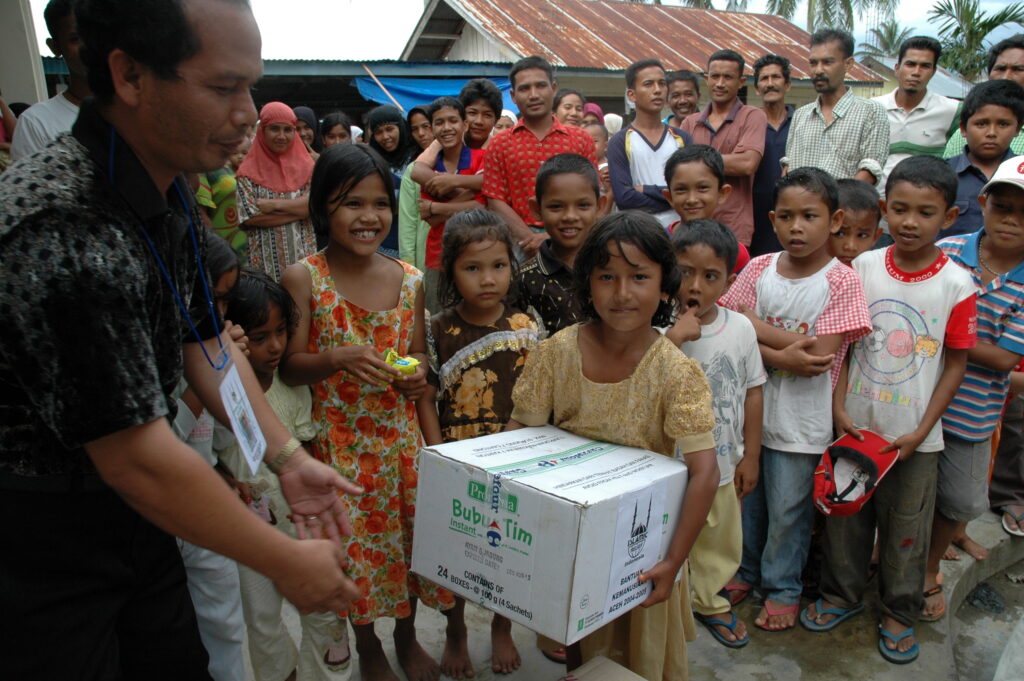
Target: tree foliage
pixel 963 27
pixel 885 40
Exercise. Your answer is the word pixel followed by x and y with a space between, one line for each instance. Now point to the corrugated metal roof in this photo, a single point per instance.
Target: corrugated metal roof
pixel 611 35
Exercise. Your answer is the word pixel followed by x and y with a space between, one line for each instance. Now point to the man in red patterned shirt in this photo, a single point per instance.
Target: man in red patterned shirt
pixel 513 157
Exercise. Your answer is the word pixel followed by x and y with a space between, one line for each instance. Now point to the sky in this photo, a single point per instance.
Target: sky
pixel 353 29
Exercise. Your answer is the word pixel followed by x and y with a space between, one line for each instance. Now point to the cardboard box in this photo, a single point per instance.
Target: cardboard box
pixel 547 528
pixel 601 669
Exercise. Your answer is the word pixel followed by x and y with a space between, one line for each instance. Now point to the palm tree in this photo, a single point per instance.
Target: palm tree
pixel 885 40
pixel 730 5
pixel 831 13
pixel 963 27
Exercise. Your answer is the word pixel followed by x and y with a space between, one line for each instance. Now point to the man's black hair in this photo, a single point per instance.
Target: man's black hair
pixel 643 231
pixel 1013 42
pixel 712 234
pixel 531 62
pixel 926 172
pixel 696 153
pixel 445 102
pixel 728 55
pixel 858 195
pixel 481 89
pixel 686 75
pixel 54 13
pixel 562 164
pixel 155 33
pixel 769 59
pixel 1002 92
pixel 827 35
pixel 638 66
pixel 921 42
pixel 814 180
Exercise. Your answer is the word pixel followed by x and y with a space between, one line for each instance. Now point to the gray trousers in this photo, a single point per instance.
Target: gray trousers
pixel 1007 486
pixel 902 510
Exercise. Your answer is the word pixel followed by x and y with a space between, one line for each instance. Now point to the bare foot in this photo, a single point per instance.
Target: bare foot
pixel 455 660
pixel 971 547
pixel 417 664
pixel 951 553
pixel 780 618
pixel 504 655
pixel 373 664
pixel 895 628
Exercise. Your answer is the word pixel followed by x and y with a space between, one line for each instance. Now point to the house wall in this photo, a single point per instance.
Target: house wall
pixel 472 46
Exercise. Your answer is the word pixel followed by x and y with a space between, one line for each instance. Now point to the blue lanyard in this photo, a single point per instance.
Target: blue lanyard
pixel 223 361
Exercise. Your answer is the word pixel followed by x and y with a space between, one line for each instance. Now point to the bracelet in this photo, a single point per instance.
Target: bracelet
pixel 430 208
pixel 283 456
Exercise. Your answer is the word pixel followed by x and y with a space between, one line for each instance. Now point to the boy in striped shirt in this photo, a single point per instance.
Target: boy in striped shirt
pixel 994 256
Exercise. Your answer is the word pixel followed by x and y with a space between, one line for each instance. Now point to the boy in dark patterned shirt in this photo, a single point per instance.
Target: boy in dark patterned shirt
pixel 567 200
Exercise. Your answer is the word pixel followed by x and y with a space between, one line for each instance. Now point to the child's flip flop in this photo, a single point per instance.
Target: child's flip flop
pixel 841 615
pixel 710 622
pixel 895 656
pixel 936 616
pixel 1017 518
pixel 737 592
pixel 773 611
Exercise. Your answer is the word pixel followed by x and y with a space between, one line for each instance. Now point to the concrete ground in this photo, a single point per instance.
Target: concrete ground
pixel 985 623
pixel 962 647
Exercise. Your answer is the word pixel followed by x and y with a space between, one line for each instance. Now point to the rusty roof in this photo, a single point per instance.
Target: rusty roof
pixel 610 34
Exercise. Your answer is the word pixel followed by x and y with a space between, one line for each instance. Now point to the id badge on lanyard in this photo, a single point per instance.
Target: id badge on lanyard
pixel 243 419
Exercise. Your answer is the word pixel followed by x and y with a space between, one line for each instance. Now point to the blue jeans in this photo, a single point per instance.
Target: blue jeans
pixel 777 520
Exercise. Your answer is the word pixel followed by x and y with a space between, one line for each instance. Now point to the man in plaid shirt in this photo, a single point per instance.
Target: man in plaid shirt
pixel 839 132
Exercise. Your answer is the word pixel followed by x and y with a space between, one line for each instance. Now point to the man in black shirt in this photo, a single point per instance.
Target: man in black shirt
pixel 100 254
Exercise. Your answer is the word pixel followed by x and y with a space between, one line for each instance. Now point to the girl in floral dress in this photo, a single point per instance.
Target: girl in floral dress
pixel 354 305
pixel 477 347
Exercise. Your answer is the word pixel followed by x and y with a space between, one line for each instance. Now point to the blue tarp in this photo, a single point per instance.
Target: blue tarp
pixel 412 92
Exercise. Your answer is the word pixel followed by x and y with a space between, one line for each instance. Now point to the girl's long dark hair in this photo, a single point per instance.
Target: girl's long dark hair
pixel 462 229
pixel 640 230
pixel 339 169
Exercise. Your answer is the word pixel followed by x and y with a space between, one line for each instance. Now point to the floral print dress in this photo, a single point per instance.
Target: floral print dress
pixel 474 368
pixel 371 435
pixel 272 249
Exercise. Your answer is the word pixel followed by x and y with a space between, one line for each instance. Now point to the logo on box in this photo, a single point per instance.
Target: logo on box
pixel 638 532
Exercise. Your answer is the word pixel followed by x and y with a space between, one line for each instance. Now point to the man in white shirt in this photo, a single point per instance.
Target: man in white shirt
pixel 42 122
pixel 920 122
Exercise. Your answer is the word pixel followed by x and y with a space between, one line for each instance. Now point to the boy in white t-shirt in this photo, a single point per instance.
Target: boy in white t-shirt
pixel 806 308
pixel 726 347
pixel 897 382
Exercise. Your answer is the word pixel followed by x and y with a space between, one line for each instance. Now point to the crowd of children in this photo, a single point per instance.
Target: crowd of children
pixel 904 333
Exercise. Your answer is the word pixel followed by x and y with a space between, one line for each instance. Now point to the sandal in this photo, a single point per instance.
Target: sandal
pixel 1017 518
pixel 337 665
pixel 895 656
pixel 841 615
pixel 557 655
pixel 710 622
pixel 773 611
pixel 737 592
pixel 936 616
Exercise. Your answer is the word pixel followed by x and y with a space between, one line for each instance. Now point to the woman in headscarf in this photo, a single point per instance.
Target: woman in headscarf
pixel 389 136
pixel 309 130
pixel 273 183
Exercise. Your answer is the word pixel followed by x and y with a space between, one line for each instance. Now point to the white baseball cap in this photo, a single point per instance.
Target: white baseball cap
pixel 1010 171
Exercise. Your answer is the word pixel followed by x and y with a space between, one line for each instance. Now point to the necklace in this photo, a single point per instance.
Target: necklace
pixel 981 259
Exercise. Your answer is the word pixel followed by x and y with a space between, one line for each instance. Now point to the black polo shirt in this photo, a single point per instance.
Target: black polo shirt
pixel 90 339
